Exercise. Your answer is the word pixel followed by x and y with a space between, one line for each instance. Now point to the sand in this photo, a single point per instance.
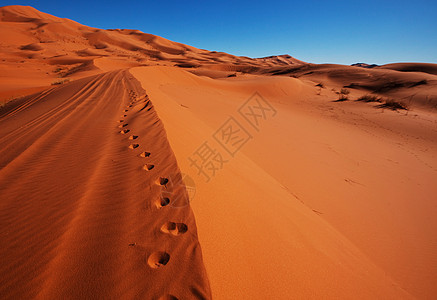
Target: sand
pixel 100 132
pixel 80 215
pixel 367 175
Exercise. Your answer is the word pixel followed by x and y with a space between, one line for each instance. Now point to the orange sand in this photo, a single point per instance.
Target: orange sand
pixel 357 175
pixel 326 200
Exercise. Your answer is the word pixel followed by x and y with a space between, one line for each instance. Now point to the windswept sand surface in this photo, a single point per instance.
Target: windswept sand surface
pixel 327 199
pixel 295 196
pixel 81 214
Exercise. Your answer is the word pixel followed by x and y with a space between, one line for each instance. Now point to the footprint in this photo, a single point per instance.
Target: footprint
pixel 160 203
pixel 148 167
pixel 133 146
pixel 122 125
pixel 120 121
pixel 124 116
pixel 145 154
pixel 168 297
pixel 158 259
pixel 124 131
pixel 162 181
pixel 174 228
pixel 126 110
pixel 133 137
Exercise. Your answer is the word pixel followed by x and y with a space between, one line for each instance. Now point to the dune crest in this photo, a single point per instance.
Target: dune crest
pixel 78 211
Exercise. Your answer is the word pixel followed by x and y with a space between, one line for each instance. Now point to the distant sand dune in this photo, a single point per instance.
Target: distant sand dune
pixel 316 161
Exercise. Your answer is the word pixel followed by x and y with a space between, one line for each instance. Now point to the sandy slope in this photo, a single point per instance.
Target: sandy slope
pixel 368 173
pixel 80 216
pixel 327 200
pixel 414 84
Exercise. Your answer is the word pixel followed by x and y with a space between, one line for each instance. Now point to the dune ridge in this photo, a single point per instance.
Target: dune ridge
pixel 79 212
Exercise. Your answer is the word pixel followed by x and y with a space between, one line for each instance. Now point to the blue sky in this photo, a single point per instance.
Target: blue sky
pixel 314 31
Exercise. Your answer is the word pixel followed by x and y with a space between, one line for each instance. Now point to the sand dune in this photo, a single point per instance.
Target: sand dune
pixel 416 88
pixel 100 196
pixel 305 156
pixel 80 216
pixel 412 67
pixel 53 45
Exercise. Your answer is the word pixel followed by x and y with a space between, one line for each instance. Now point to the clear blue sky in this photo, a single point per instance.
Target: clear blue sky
pixel 314 31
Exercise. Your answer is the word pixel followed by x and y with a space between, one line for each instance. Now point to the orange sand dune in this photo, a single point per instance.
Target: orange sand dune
pixel 368 174
pixel 100 196
pixel 412 67
pixel 80 215
pixel 412 84
pixel 55 47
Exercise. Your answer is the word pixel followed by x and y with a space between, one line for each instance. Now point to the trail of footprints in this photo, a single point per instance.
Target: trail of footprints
pixel 157 259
